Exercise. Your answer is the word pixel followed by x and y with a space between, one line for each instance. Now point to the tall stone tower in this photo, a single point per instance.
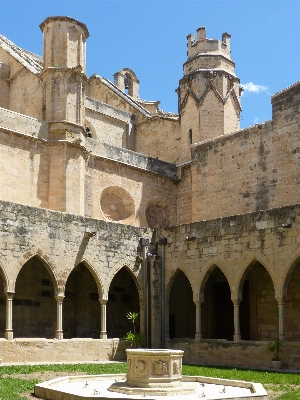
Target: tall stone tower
pixel 209 92
pixel 64 75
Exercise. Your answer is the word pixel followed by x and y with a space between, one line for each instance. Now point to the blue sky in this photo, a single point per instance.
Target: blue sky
pixel 149 36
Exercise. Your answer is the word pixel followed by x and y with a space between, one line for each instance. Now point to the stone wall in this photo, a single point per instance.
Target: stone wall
pixel 161 138
pixel 64 176
pixel 251 261
pixel 270 237
pixel 50 351
pixel 241 354
pixel 26 99
pixel 60 241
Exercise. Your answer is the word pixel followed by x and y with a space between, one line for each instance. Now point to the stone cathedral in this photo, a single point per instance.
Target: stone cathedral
pixel 110 205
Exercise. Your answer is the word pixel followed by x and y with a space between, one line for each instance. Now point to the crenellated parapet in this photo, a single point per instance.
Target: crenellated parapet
pixel 209 92
pixel 208 46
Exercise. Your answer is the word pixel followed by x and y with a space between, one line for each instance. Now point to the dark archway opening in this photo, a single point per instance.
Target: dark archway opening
pixel 81 306
pixel 34 305
pixel 123 297
pixel 2 308
pixel 258 308
pixel 245 312
pixel 182 309
pixel 292 307
pixel 217 320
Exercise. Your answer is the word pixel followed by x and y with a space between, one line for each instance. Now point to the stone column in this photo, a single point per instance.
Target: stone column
pixel 9 335
pixel 167 330
pixel 198 334
pixel 281 319
pixel 236 310
pixel 59 328
pixel 103 333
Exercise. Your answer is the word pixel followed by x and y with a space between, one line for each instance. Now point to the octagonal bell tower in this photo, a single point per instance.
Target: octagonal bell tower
pixel 209 92
pixel 64 75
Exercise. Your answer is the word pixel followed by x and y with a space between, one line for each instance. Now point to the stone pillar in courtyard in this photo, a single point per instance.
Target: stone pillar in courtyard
pixel 198 333
pixel 236 311
pixel 9 303
pixel 59 328
pixel 103 332
pixel 281 331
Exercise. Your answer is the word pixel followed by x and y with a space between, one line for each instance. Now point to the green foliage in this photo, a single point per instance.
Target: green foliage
pixel 12 388
pixel 241 374
pixel 133 318
pixel 276 348
pixel 135 339
pixel 283 386
pixel 89 369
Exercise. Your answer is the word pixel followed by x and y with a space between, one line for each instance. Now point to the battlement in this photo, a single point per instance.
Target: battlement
pixel 208 46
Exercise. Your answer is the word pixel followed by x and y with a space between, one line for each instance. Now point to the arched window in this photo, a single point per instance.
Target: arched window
pixel 190 138
pixel 127 83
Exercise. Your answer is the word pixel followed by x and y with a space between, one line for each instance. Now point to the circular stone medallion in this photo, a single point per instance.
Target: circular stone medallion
pixel 113 207
pixel 156 217
pixel 116 203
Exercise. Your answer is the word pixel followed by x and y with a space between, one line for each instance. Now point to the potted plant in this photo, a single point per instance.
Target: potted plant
pixel 134 338
pixel 276 348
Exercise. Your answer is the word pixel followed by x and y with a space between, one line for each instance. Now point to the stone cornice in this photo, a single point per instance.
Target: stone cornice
pixel 65 18
pixel 208 55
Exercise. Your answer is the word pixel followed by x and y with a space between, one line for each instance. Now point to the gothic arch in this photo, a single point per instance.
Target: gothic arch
pixel 207 269
pixel 171 280
pixel 88 263
pixel 45 259
pixel 81 306
pixel 34 305
pixel 181 306
pixel 124 295
pixel 289 294
pixel 215 298
pixel 4 277
pixel 256 296
pixel 293 261
pixel 248 263
pixel 133 276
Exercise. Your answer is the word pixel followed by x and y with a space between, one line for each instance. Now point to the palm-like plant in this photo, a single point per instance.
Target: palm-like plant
pixel 133 318
pixel 276 348
pixel 133 337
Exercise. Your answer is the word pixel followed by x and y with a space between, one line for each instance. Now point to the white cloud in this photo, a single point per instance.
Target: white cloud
pixel 252 87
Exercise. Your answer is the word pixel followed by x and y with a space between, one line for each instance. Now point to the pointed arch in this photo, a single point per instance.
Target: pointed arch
pixel 290 296
pixel 34 305
pixel 47 262
pixel 207 269
pixel 181 306
pixel 4 277
pixel 256 295
pixel 172 278
pixel 133 276
pixel 89 265
pixel 249 262
pixel 293 262
pixel 215 297
pixel 81 306
pixel 124 295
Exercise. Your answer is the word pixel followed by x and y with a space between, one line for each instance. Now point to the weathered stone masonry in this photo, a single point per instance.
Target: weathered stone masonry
pixel 109 204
